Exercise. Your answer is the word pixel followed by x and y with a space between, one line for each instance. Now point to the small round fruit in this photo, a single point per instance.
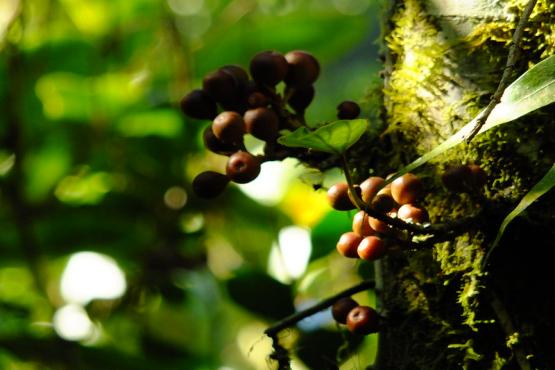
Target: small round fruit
pixel 268 67
pixel 406 189
pixel 229 127
pixel 410 213
pixel 338 196
pixel 212 143
pixel 369 187
pixel 239 75
pixel 242 167
pixel 348 110
pixel 209 184
pixel 198 104
pixel 479 176
pixel 378 226
pixel 383 202
pixel 348 243
pixel 301 98
pixel 371 248
pixel 257 100
pixel 361 225
pixel 456 178
pixel 363 320
pixel 221 86
pixel 303 69
pixel 262 123
pixel 341 309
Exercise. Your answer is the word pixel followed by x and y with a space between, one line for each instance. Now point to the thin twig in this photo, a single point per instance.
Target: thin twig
pixel 507 72
pixel 296 317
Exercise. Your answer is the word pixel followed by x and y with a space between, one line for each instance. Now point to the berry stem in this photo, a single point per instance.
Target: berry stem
pixel 273 330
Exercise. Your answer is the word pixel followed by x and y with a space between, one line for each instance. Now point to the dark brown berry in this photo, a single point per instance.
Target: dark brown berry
pixel 347 244
pixel 268 67
pixel 239 75
pixel 258 100
pixel 303 68
pixel 229 127
pixel 383 202
pixel 338 196
pixel 479 176
pixel 369 188
pixel 406 189
pixel 363 320
pixel 242 167
pixel 198 104
pixel 411 213
pixel 221 86
pixel 209 184
pixel 341 309
pixel 262 123
pixel 301 98
pixel 212 143
pixel 371 248
pixel 348 110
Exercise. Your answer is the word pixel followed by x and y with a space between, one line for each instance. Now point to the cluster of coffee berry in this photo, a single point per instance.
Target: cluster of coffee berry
pixel 368 240
pixel 361 320
pixel 255 107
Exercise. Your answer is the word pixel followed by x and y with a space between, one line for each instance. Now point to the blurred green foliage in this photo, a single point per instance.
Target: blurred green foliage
pixel 95 156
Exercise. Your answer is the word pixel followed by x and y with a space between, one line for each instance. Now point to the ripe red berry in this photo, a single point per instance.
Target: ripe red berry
pixel 338 196
pixel 411 213
pixel 303 68
pixel 198 104
pixel 348 110
pixel 229 127
pixel 268 67
pixel 406 189
pixel 363 320
pixel 348 243
pixel 378 226
pixel 369 187
pixel 301 98
pixel 262 123
pixel 371 248
pixel 242 167
pixel 341 309
pixel 209 184
pixel 361 225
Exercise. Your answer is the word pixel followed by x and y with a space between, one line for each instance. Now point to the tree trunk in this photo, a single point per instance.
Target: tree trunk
pixel 444 59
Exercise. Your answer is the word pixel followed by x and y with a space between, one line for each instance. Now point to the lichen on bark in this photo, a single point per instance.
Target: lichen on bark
pixel 441 68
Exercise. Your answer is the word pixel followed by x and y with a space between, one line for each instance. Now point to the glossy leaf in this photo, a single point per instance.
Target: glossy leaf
pixel 335 137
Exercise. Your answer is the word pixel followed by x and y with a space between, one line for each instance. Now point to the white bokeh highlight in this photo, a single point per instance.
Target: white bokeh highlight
pixel 71 322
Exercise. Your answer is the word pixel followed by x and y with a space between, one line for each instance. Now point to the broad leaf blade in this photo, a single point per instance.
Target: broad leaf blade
pixel 531 91
pixel 335 137
pixel 541 187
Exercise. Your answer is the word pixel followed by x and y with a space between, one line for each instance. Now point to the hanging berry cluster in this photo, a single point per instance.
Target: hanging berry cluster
pixel 238 105
pixel 368 240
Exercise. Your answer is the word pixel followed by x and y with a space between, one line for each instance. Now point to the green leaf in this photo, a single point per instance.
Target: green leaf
pixel 531 91
pixel 541 187
pixel 335 137
pixel 259 293
pixel 325 234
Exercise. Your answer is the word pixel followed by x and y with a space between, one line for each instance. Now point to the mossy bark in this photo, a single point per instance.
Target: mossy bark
pixel 443 62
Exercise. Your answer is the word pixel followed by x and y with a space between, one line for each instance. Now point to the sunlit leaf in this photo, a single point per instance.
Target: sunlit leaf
pixel 326 233
pixel 541 187
pixel 335 137
pixel 531 91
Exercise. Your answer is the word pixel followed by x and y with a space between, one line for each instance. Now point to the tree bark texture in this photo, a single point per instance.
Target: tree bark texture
pixel 444 59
